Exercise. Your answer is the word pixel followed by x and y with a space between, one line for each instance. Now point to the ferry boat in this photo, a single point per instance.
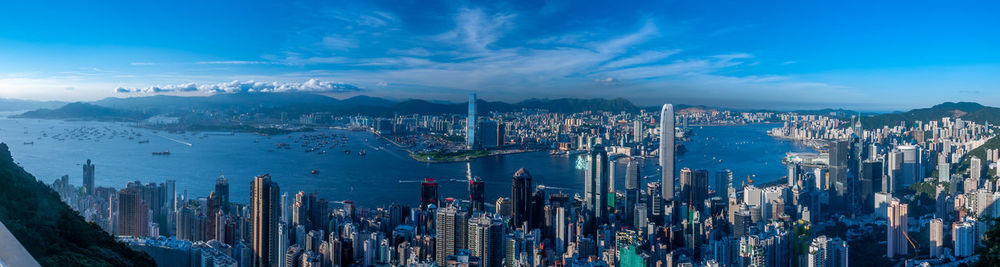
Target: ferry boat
pixel 164 153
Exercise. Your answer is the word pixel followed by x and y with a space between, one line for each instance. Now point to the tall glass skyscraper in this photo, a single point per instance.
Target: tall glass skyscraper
pixel 470 124
pixel 667 151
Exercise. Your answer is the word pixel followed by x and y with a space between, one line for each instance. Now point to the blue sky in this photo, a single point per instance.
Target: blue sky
pixel 773 54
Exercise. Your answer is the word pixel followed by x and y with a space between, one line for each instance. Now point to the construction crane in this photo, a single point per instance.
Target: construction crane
pixel 914 245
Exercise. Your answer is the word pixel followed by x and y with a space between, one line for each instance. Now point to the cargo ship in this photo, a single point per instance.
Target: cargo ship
pixel 164 153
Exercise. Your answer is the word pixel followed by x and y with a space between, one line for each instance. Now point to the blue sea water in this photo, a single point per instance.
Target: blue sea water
pixel 385 175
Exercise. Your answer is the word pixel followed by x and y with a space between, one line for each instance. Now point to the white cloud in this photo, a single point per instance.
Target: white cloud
pixel 312 85
pixel 644 57
pixel 477 30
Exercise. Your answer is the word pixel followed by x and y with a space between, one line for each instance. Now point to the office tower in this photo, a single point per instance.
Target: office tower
pixel 894 169
pixel 612 178
pixel 685 186
pixel 632 177
pixel 820 179
pixel 491 134
pixel 470 123
pixel 896 229
pixel 446 239
pixel 88 178
pixel 486 239
pixel 911 170
pixel 477 197
pixel 170 188
pixel 793 173
pixel 965 238
pixel 667 152
pixel 637 131
pixel 133 213
pixel 428 193
pixel 944 172
pixel 265 209
pixel 936 237
pixel 222 191
pixel 870 180
pixel 596 179
pixel 536 210
pixel 699 188
pixel 520 196
pixel 975 168
pixel 724 183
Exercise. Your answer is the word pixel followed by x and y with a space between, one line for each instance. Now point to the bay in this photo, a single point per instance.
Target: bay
pixel 385 175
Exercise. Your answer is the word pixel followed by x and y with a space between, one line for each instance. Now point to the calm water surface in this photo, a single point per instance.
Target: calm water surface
pixel 383 176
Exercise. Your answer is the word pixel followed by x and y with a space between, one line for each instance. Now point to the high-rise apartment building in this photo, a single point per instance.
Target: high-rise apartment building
pixel 265 209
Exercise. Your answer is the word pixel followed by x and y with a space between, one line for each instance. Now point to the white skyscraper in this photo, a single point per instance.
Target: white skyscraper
pixel 896 229
pixel 975 168
pixel 936 237
pixel 667 151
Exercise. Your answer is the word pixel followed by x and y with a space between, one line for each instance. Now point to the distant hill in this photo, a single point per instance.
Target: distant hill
pixel 54 234
pixel 967 111
pixel 7 104
pixel 83 111
pixel 300 103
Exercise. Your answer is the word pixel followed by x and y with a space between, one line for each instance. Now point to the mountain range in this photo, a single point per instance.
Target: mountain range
pixel 967 111
pixel 294 104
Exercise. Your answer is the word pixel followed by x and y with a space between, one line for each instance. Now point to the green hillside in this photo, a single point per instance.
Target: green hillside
pixel 54 234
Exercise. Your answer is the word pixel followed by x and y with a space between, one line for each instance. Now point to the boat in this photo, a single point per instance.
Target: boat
pixel 314 172
pixel 347 151
pixel 144 141
pixel 164 153
pixel 363 152
pixel 29 143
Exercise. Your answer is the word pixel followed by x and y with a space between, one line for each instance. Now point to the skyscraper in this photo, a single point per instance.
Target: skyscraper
pixel 133 213
pixel 793 173
pixel 265 209
pixel 470 124
pixel 88 177
pixel 428 192
pixel 936 237
pixel 965 238
pixel 520 196
pixel 632 177
pixel 445 228
pixel 595 184
pixel 667 152
pixel 486 239
pixel 911 171
pixel 222 192
pixel 828 252
pixel 975 168
pixel 896 229
pixel 477 199
pixel 870 183
pixel 724 183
